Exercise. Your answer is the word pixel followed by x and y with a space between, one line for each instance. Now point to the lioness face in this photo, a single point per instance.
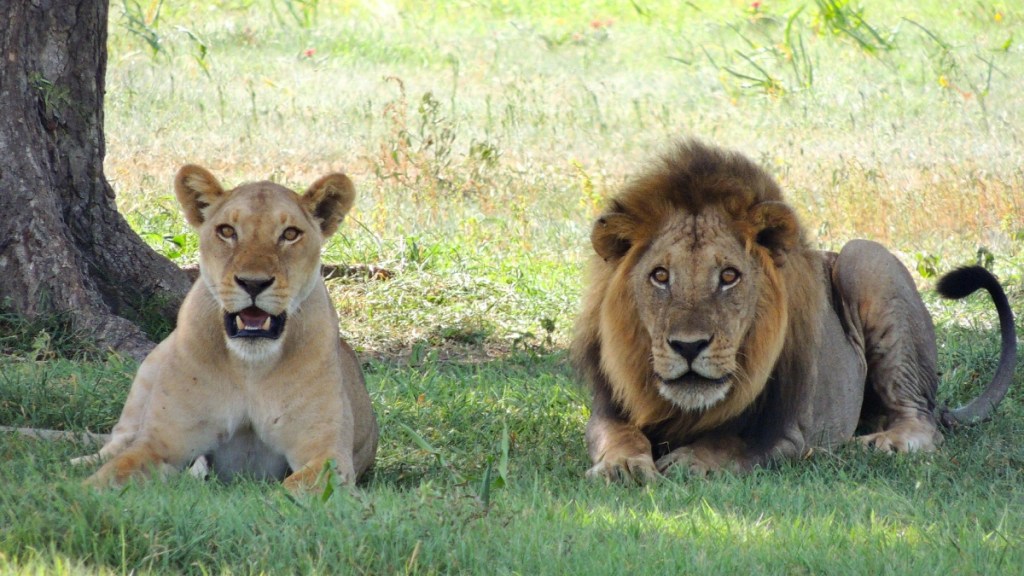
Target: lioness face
pixel 260 257
pixel 259 250
pixel 696 294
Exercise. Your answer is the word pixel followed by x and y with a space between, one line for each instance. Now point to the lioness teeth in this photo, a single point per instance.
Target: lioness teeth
pixel 266 323
pixel 239 323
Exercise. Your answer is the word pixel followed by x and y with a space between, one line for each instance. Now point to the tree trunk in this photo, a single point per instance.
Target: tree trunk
pixel 64 248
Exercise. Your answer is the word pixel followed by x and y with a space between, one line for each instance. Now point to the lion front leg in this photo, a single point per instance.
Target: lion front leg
pixel 619 451
pixel 708 455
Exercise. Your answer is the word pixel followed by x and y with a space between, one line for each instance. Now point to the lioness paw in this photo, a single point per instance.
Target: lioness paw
pixel 115 475
pixel 316 476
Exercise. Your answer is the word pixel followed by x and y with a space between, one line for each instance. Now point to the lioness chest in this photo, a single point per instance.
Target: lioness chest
pixel 241 415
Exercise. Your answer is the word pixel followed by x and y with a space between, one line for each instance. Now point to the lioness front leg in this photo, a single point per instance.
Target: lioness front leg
pixel 309 476
pixel 619 451
pixel 168 439
pixel 139 461
pixel 312 452
pixel 130 422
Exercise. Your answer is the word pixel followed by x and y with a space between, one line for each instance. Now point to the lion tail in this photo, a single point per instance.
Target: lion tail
pixel 959 284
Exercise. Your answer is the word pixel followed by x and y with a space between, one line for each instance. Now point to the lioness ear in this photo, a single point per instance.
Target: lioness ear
pixel 196 190
pixel 611 234
pixel 775 227
pixel 329 199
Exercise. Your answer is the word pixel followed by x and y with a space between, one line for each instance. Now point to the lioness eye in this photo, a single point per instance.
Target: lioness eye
pixel 660 277
pixel 226 232
pixel 291 234
pixel 728 277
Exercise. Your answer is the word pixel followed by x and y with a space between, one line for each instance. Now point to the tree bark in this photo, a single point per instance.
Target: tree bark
pixel 64 248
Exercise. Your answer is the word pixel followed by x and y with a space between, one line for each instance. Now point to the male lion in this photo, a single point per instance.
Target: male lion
pixel 713 336
pixel 255 378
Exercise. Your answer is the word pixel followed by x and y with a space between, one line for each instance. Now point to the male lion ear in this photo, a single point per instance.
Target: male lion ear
pixel 610 235
pixel 775 227
pixel 196 190
pixel 329 199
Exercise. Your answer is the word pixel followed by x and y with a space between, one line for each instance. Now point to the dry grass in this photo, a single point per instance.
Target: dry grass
pixel 482 136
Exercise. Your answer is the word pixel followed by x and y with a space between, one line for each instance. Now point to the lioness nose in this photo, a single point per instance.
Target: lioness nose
pixel 253 286
pixel 689 349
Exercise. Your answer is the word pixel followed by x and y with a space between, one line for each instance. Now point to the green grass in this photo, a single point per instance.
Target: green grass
pixel 482 137
pixel 431 511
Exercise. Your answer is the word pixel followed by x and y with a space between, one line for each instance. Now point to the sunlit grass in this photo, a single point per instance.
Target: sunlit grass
pixel 851 511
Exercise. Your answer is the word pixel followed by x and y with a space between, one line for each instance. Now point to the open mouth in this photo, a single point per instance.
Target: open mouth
pixel 254 323
pixel 695 380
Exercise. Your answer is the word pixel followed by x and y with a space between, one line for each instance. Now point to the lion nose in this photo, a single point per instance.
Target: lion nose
pixel 689 349
pixel 254 286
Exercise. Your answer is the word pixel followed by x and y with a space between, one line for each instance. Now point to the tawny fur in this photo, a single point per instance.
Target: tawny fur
pixel 279 408
pixel 713 336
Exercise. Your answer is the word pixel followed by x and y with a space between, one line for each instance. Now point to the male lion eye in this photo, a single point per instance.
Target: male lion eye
pixel 660 277
pixel 226 232
pixel 291 234
pixel 728 277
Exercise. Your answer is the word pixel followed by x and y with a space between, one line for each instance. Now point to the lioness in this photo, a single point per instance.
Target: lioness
pixel 713 336
pixel 255 378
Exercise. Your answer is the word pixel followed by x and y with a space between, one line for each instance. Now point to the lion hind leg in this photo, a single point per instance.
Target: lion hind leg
pixel 909 435
pixel 908 421
pixel 897 337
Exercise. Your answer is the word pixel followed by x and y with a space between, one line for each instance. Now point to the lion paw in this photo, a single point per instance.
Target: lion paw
pixel 705 458
pixel 686 457
pixel 906 436
pixel 639 469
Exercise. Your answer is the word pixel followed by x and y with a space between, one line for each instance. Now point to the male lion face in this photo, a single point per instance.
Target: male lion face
pixel 696 294
pixel 259 250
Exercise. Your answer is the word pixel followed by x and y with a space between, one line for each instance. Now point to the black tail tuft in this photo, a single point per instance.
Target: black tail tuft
pixel 962 282
pixel 958 284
